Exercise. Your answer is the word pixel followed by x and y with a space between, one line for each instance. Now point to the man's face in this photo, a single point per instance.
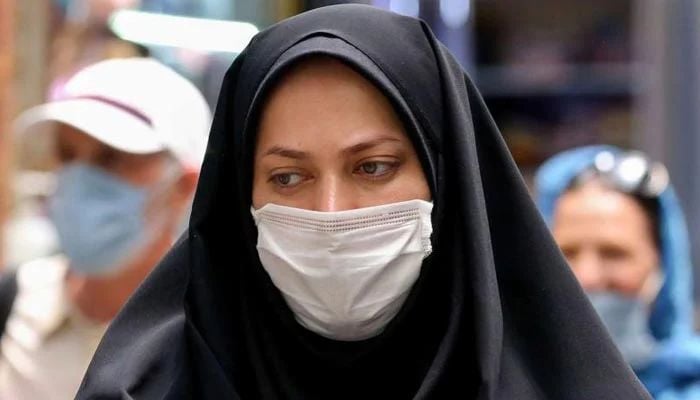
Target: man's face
pixel 100 297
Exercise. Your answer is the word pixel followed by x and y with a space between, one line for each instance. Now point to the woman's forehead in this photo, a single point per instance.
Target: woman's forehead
pixel 316 76
pixel 322 97
pixel 318 66
pixel 597 205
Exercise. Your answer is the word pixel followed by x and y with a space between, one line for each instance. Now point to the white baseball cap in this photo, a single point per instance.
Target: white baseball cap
pixel 136 105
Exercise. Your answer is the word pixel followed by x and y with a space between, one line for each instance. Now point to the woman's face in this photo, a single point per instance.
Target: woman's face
pixel 328 140
pixel 607 238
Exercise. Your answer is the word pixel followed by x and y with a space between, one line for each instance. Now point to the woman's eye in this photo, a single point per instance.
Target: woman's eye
pixel 286 179
pixel 613 253
pixel 569 253
pixel 376 168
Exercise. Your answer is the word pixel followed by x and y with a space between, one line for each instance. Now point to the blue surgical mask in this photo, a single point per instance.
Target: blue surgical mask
pixel 99 218
pixel 627 321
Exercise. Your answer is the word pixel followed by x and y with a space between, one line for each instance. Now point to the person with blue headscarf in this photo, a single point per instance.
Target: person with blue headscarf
pixel 618 221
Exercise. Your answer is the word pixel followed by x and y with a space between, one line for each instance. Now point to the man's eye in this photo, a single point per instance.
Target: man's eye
pixel 106 158
pixel 286 179
pixel 65 154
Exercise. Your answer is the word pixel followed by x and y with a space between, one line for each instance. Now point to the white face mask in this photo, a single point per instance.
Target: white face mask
pixel 344 274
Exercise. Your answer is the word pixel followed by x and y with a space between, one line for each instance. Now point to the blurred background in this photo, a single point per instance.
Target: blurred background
pixel 555 73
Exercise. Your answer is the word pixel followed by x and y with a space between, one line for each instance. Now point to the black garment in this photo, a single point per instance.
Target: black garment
pixel 495 314
pixel 8 294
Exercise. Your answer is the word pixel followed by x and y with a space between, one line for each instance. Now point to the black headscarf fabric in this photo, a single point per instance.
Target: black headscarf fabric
pixel 495 313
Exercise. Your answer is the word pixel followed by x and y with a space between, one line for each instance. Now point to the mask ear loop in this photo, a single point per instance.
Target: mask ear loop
pixel 157 217
pixel 652 286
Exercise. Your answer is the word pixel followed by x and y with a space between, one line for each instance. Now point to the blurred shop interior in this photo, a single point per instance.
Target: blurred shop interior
pixel 555 74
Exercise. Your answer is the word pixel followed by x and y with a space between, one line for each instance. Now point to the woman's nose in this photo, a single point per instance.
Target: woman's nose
pixel 334 194
pixel 589 272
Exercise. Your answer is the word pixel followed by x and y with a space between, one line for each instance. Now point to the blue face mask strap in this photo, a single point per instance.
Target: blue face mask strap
pixel 173 172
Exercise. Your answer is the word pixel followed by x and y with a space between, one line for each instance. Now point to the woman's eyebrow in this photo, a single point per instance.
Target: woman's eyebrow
pixel 358 147
pixel 286 152
pixel 355 148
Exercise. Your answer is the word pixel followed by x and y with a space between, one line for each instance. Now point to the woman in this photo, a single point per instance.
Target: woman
pixel 330 127
pixel 618 221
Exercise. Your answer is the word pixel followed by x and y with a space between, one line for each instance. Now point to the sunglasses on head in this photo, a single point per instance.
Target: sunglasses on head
pixel 630 172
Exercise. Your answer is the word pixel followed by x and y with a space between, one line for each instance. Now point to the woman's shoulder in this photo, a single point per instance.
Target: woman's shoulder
pixel 675 372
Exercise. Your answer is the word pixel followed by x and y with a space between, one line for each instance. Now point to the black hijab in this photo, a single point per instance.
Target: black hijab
pixel 495 314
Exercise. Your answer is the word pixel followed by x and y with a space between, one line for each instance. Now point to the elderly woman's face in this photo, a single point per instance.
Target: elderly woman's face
pixel 328 140
pixel 607 238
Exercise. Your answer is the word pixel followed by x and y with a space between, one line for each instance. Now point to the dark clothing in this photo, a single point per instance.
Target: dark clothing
pixel 495 314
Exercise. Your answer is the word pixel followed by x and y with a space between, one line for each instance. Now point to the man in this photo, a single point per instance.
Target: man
pixel 129 139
